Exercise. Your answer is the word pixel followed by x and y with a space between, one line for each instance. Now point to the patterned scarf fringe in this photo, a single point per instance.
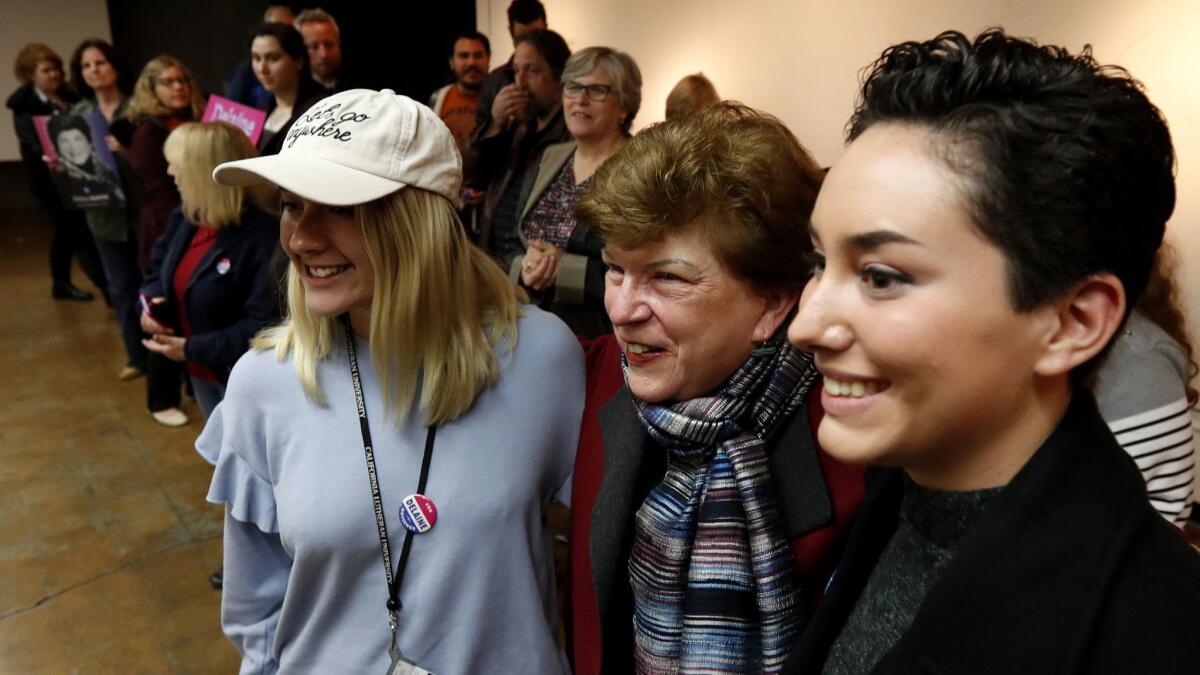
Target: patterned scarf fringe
pixel 713 576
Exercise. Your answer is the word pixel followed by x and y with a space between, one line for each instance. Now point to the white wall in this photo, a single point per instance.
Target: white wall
pixel 61 24
pixel 800 59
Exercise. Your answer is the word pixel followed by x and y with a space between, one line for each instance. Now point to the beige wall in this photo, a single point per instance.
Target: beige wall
pixel 800 59
pixel 62 24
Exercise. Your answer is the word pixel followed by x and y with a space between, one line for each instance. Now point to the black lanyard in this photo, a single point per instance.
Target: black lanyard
pixel 393 581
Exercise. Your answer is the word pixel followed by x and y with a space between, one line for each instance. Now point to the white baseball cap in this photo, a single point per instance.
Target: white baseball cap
pixel 357 146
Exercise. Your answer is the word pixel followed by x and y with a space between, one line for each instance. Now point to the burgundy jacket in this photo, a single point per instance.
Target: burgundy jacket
pixel 159 194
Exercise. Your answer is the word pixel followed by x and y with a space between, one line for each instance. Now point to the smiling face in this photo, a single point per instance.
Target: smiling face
pixel 927 365
pixel 684 322
pixel 173 88
pixel 324 48
pixel 469 61
pixel 98 73
pixel 325 244
pixel 74 146
pixel 588 119
pixel 276 70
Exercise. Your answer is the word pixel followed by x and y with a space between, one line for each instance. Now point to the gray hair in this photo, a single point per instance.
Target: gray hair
pixel 620 68
pixel 316 15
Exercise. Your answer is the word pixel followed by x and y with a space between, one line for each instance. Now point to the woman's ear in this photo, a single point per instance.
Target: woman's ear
pixel 776 307
pixel 1086 320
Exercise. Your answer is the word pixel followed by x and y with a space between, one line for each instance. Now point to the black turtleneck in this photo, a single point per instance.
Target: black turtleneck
pixel 932 523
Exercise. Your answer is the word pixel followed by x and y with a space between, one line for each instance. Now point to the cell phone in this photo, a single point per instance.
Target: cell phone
pixel 150 309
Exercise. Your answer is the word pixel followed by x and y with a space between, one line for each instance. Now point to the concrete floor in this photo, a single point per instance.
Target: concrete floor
pixel 106 542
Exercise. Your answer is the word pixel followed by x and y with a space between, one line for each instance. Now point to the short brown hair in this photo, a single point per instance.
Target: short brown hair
pixel 29 57
pixel 733 170
pixel 691 93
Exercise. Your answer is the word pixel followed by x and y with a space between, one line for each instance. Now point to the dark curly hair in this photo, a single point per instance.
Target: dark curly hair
pixel 1069 167
pixel 551 46
pixel 60 123
pixel 124 75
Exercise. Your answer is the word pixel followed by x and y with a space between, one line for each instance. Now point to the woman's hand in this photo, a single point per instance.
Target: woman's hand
pixel 150 324
pixel 114 145
pixel 167 345
pixel 540 267
pixel 53 164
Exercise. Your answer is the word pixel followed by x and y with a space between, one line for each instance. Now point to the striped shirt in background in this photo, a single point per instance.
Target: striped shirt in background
pixel 1141 395
pixel 1161 441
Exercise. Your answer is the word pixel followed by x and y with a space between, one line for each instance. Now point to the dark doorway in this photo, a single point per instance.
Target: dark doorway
pixel 402 45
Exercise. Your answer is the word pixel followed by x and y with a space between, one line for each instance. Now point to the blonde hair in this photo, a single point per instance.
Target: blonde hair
pixel 440 306
pixel 316 15
pixel 145 103
pixel 196 148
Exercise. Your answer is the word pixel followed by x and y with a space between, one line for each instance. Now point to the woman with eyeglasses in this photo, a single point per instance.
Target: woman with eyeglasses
pixel 164 97
pixel 602 91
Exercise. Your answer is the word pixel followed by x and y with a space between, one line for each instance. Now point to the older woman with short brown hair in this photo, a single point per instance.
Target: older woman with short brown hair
pixel 702 509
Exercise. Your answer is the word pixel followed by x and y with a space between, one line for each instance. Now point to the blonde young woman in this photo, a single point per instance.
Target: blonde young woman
pixel 386 454
pixel 209 289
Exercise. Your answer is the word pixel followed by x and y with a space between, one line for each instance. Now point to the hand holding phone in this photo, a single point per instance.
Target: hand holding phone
pixel 151 319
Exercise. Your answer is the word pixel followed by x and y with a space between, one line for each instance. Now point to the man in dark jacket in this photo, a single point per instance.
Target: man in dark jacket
pixel 504 153
pixel 524 16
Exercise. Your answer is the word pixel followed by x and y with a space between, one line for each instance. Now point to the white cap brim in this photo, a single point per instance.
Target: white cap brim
pixel 313 178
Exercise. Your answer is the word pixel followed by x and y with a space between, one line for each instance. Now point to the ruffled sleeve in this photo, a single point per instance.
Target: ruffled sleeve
pixel 233 442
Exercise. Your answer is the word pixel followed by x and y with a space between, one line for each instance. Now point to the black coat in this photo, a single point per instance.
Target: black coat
pixel 25 105
pixel 1069 570
pixel 310 92
pixel 224 308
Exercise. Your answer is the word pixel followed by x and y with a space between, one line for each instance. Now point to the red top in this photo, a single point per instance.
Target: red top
pixel 458 112
pixel 201 242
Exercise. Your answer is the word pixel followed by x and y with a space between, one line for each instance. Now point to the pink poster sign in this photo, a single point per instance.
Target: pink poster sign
pixel 249 120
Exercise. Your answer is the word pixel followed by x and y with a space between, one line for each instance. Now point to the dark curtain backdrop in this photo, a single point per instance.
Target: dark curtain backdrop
pixel 403 44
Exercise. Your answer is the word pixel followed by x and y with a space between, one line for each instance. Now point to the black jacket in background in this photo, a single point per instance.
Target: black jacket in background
pixel 25 105
pixel 310 92
pixel 1069 571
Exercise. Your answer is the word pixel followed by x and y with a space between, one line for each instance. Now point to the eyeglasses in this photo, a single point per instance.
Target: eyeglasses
pixel 595 92
pixel 172 81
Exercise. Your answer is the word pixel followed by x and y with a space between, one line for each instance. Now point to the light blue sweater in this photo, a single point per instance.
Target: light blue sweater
pixel 304 583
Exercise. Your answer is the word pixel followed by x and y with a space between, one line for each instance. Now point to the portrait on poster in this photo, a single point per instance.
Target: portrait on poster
pixel 83 167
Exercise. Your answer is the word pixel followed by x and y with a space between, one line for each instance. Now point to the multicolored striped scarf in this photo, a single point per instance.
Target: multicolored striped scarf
pixel 713 578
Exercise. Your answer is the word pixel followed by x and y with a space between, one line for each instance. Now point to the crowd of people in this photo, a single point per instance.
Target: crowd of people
pixel 927 409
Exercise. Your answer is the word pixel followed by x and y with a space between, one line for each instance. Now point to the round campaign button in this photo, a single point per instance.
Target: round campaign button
pixel 418 513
